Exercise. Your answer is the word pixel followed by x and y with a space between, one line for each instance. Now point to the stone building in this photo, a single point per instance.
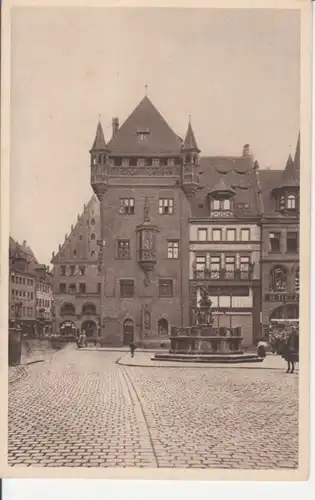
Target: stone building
pixel 225 243
pixel 76 276
pixel 22 286
pixel 44 301
pixel 280 197
pixel 164 221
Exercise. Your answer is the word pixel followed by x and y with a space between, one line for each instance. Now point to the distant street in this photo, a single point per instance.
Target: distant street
pixel 79 408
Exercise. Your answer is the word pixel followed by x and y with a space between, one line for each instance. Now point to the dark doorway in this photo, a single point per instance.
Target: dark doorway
pixel 163 327
pixel 67 328
pixel 128 331
pixel 90 328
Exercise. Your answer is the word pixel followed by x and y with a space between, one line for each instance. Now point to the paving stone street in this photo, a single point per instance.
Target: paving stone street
pixel 81 408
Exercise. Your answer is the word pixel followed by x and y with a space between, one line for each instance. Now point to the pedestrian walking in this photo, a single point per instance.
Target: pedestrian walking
pixel 133 347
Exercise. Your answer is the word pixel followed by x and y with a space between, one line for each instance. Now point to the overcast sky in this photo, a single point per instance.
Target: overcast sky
pixel 235 71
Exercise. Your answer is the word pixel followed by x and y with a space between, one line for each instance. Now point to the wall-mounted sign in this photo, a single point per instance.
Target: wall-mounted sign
pixel 281 297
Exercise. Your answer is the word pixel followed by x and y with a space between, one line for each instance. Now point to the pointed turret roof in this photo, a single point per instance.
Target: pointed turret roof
pixel 221 187
pixel 289 177
pixel 190 143
pixel 159 137
pixel 99 141
pixel 297 154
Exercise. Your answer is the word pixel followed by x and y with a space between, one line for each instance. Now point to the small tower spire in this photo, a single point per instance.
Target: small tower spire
pixel 146 89
pixel 190 143
pixel 99 141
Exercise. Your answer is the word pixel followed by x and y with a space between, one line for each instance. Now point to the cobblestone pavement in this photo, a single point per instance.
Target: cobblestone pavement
pixel 82 409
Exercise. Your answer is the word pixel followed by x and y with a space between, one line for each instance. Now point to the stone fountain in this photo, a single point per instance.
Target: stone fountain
pixel 204 343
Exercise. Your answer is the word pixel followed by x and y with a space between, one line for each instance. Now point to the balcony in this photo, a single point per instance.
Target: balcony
pixel 224 274
pixel 101 173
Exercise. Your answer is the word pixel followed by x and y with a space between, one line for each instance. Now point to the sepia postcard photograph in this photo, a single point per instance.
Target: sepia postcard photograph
pixel 155 239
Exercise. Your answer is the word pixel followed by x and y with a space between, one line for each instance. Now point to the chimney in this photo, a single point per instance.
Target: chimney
pixel 115 125
pixel 246 151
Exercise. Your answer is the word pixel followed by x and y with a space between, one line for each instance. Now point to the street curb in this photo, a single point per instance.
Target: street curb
pixel 204 365
pixel 22 374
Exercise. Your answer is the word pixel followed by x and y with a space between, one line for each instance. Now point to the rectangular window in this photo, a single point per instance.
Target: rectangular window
pixel 12 292
pixel 292 242
pixel 216 234
pixel 165 288
pixel 200 266
pixel 62 288
pixel 173 249
pixel 82 287
pixel 230 266
pixel 170 162
pixel 244 263
pixel 140 162
pixel 125 162
pixel 72 288
pixel 245 234
pixel 127 206
pixel 123 249
pixel 166 206
pixel 23 281
pixel 98 288
pixel 231 234
pixel 72 270
pixel 127 288
pixel 202 235
pixel 155 162
pixel 216 205
pixel 274 242
pixel 215 266
pixel 82 270
pixel 32 295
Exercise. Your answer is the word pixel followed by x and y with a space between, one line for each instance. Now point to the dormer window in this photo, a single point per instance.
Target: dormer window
pixel 222 206
pixel 287 201
pixel 155 162
pixel 170 162
pixel 125 162
pixel 140 162
pixel 143 134
pixel 226 204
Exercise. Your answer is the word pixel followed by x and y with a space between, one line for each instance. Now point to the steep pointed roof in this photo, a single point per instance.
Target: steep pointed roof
pixel 190 143
pixel 81 243
pixel 297 154
pixel 99 143
pixel 289 177
pixel 159 137
pixel 221 187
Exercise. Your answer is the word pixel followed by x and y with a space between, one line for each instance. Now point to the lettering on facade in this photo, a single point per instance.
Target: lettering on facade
pixel 281 297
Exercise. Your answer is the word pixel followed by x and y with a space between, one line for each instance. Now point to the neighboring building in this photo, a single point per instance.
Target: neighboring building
pixel 44 301
pixel 225 244
pixel 22 286
pixel 76 276
pixel 280 198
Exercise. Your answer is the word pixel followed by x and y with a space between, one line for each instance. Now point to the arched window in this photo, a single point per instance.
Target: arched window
pixel 67 309
pixel 93 253
pixel 278 279
pixel 216 204
pixel 92 222
pixel 282 202
pixel 88 308
pixel 291 201
pixel 92 236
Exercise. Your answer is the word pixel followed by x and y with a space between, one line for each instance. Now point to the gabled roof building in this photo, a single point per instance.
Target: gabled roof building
pixel 128 269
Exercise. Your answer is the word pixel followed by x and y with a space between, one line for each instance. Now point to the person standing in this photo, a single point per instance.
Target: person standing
pixel 132 346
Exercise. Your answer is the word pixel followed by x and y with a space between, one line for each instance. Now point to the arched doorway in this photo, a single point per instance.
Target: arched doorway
pixel 163 327
pixel 128 331
pixel 67 329
pixel 90 328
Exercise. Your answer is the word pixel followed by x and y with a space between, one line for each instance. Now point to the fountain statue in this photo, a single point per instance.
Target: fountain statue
pixel 202 342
